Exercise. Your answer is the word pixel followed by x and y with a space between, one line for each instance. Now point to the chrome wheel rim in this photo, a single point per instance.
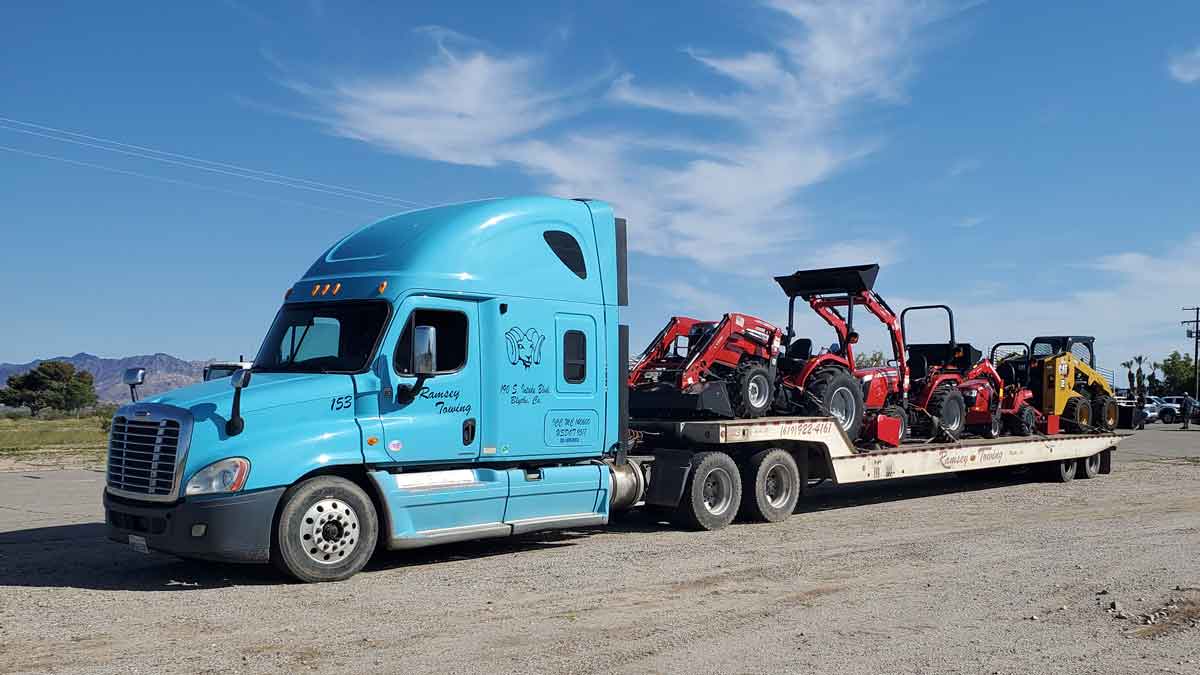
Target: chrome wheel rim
pixel 1093 465
pixel 718 491
pixel 777 486
pixel 756 391
pixel 842 406
pixel 329 531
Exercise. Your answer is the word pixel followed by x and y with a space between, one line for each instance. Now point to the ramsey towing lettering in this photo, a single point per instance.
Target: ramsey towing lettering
pixel 445 401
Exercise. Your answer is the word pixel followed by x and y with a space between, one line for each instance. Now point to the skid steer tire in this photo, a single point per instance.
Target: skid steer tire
pixel 751 392
pixel 1077 416
pixel 712 493
pixel 1104 413
pixel 948 406
pixel 770 486
pixel 833 392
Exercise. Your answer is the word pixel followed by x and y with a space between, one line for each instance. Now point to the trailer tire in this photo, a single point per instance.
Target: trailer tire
pixel 326 530
pixel 1089 467
pixel 750 392
pixel 1104 412
pixel 1063 471
pixel 834 390
pixel 1023 422
pixel 948 401
pixel 712 493
pixel 770 486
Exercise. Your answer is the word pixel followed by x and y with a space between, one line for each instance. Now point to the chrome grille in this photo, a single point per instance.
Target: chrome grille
pixel 142 456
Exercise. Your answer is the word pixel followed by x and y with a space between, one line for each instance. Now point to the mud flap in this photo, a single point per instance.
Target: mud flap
pixel 1106 461
pixel 668 475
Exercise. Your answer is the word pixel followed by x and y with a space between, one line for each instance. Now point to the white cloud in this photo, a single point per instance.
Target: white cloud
pixel 1185 67
pixel 970 222
pixel 963 166
pixel 732 200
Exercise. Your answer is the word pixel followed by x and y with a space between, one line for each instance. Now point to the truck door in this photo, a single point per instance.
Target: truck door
pixel 438 424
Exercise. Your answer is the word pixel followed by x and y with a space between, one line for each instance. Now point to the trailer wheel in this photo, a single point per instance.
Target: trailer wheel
pixel 326 530
pixel 1023 422
pixel 948 406
pixel 712 493
pixel 1089 467
pixel 1062 472
pixel 770 486
pixel 750 392
pixel 1104 412
pixel 837 394
pixel 1077 415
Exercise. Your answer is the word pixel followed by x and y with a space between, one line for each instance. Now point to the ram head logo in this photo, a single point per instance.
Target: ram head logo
pixel 524 347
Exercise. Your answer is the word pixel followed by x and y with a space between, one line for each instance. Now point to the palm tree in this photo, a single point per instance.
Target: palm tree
pixel 1153 380
pixel 1141 375
pixel 1128 366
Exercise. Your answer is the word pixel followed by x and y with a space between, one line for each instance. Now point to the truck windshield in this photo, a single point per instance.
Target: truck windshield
pixel 327 337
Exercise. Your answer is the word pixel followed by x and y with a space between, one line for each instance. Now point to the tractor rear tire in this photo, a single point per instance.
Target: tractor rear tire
pixel 947 404
pixel 1023 422
pixel 750 393
pixel 770 486
pixel 1077 415
pixel 837 394
pixel 1104 413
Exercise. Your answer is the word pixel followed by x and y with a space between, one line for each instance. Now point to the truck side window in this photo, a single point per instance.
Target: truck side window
pixel 451 340
pixel 568 251
pixel 574 356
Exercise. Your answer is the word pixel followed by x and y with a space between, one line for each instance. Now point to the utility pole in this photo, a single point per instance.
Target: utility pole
pixel 1194 333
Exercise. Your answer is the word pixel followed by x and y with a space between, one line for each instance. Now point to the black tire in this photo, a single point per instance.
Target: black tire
pixel 897 412
pixel 1077 416
pixel 1089 467
pixel 992 430
pixel 1062 472
pixel 1104 413
pixel 831 390
pixel 770 486
pixel 1166 415
pixel 304 548
pixel 947 404
pixel 712 494
pixel 1023 422
pixel 751 391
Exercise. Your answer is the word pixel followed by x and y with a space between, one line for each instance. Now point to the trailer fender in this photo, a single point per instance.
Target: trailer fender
pixel 668 475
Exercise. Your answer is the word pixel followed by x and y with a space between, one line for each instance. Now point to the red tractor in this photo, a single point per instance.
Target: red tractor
pixel 724 368
pixel 1012 361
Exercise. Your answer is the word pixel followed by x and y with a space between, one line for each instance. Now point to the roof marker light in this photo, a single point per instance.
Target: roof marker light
pixel 316 289
pixel 337 288
pixel 325 289
pixel 382 286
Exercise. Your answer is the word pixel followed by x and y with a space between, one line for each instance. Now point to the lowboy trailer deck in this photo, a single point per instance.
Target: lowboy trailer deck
pixel 710 470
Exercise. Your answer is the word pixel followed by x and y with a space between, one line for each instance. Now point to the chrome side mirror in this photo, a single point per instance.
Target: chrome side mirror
pixel 424 351
pixel 134 377
pixel 241 378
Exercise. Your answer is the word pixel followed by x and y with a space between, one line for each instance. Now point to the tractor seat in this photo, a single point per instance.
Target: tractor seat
pixel 796 354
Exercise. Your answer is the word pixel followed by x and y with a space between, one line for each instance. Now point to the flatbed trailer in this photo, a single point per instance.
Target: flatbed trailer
pixel 763 466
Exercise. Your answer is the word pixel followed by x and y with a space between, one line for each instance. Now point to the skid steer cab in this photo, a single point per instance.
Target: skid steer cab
pixel 440 375
pixel 723 368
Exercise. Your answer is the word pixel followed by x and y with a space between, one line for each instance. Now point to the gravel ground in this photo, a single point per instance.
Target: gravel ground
pixel 925 576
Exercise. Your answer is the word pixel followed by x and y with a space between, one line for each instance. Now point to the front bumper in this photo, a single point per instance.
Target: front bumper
pixel 237 528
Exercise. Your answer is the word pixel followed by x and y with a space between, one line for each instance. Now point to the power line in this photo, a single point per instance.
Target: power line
pixel 201 164
pixel 177 181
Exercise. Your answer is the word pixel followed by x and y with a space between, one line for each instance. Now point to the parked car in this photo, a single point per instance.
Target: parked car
pixel 1167 412
pixel 1151 408
pixel 1177 403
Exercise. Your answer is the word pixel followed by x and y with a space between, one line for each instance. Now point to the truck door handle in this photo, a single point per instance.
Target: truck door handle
pixel 469 431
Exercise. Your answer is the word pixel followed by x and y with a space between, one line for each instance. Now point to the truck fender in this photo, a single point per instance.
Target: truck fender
pixel 668 475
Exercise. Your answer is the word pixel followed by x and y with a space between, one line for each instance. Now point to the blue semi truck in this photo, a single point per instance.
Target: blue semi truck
pixel 459 373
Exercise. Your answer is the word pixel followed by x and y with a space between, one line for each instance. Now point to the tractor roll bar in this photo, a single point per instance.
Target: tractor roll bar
pixel 992 354
pixel 949 314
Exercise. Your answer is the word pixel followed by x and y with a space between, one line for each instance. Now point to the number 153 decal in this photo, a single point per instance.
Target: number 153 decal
pixel 341 402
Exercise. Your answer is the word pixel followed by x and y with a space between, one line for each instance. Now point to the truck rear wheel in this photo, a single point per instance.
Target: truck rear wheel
pixel 712 493
pixel 770 486
pixel 326 530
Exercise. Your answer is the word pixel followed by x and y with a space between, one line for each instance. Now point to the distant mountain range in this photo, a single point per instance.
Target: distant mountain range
pixel 163 372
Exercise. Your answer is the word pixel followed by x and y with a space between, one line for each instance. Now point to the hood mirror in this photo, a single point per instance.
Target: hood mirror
pixel 134 377
pixel 240 380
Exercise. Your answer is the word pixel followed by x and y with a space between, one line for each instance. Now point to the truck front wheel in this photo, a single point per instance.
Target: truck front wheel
pixel 712 493
pixel 326 530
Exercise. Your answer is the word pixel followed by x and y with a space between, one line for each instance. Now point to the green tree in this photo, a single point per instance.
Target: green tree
pixel 1179 374
pixel 872 360
pixel 53 384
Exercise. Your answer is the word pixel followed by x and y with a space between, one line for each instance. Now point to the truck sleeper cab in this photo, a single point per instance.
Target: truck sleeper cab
pixel 439 375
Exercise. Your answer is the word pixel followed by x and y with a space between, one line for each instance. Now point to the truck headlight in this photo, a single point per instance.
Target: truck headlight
pixel 226 475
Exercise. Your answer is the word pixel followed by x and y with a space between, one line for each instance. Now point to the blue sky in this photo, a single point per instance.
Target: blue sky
pixel 1032 164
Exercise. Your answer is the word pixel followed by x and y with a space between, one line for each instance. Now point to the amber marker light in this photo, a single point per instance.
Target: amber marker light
pixel 337 287
pixel 316 289
pixel 325 289
pixel 382 286
pixel 371 440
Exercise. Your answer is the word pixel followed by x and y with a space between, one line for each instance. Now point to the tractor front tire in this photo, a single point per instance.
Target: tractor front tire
pixel 838 395
pixel 1104 413
pixel 1077 415
pixel 750 393
pixel 1023 422
pixel 948 406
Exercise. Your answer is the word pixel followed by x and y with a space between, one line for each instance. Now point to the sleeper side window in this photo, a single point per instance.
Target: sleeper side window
pixel 452 335
pixel 566 247
pixel 574 356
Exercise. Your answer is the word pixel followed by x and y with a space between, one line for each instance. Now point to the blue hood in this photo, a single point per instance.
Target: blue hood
pixel 266 390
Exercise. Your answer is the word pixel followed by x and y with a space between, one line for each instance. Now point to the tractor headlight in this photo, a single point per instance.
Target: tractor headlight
pixel 226 475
